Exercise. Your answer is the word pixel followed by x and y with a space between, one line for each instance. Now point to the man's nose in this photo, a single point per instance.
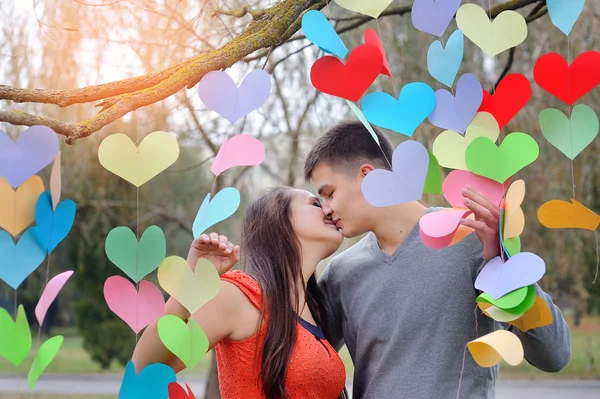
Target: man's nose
pixel 328 211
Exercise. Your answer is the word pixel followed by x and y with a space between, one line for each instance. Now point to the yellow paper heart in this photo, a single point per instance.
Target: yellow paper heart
pixel 192 289
pixel 487 351
pixel 509 28
pixel 137 165
pixel 372 8
pixel 514 217
pixel 538 315
pixel 494 312
pixel 17 208
pixel 449 147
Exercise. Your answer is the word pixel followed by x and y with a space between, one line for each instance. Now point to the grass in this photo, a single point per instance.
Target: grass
pixel 585 340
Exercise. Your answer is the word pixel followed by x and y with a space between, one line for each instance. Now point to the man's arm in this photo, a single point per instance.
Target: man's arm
pixel 332 325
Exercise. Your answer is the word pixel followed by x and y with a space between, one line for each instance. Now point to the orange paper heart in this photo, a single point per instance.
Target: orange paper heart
pixel 538 315
pixel 17 207
pixel 557 214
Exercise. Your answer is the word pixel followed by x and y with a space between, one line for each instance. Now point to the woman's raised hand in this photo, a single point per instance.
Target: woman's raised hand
pixel 217 249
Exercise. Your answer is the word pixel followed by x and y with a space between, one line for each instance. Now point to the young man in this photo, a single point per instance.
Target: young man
pixel 406 311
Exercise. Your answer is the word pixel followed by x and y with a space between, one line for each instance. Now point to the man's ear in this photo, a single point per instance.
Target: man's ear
pixel 365 169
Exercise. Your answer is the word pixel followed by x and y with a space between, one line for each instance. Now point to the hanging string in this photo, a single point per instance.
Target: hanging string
pixel 570 127
pixel 462 370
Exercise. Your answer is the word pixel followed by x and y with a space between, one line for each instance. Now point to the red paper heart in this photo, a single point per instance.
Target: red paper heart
pixel 568 82
pixel 176 391
pixel 512 94
pixel 371 37
pixel 329 75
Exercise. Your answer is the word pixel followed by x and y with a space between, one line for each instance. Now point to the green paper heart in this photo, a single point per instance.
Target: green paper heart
pixel 513 245
pixel 186 341
pixel 15 337
pixel 43 358
pixel 515 302
pixel 570 136
pixel 433 182
pixel 137 260
pixel 486 159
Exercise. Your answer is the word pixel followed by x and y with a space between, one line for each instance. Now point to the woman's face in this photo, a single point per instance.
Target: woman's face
pixel 311 225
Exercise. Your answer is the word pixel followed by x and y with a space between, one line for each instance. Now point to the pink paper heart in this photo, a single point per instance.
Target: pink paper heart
pixel 498 278
pixel 137 309
pixel 49 295
pixel 241 150
pixel 371 37
pixel 458 179
pixel 438 228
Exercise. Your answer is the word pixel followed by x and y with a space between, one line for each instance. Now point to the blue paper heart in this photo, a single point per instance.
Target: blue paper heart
pixel 417 101
pixel 19 261
pixel 152 383
pixel 319 31
pixel 52 226
pixel 443 64
pixel 222 206
pixel 564 13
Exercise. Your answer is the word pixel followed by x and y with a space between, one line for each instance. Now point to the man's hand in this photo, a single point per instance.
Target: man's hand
pixel 486 223
pixel 217 249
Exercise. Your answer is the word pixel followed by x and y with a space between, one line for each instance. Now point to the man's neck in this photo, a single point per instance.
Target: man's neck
pixel 395 223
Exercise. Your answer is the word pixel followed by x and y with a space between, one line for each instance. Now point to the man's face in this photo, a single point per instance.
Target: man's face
pixel 342 198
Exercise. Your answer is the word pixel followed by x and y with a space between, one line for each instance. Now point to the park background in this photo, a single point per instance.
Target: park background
pixel 65 44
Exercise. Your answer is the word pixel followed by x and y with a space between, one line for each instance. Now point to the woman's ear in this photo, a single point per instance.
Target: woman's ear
pixel 365 169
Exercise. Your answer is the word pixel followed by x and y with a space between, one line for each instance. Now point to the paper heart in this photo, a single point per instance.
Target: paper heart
pixel 433 181
pixel 498 278
pixel 361 117
pixel 371 37
pixel 55 181
pixel 19 261
pixel 52 227
pixel 138 164
pixel 512 245
pixel 509 28
pixel 222 206
pixel 516 151
pixel 456 113
pixel 191 289
pixel 240 150
pixel 538 315
pixel 136 308
pixel 438 228
pixel 176 391
pixel 372 8
pixel 450 147
pixel 50 293
pixel 405 183
pixel 433 16
pixel 443 63
pixel 44 356
pixel 416 102
pixel 564 13
pixel 186 341
pixel 515 302
pixel 15 336
pixel 136 259
pixel 17 208
pixel 568 82
pixel 457 180
pixel 511 95
pixel 318 30
pixel 329 75
pixel 487 351
pixel 152 382
pixel 515 218
pixel 496 313
pixel 35 149
pixel 220 93
pixel 557 214
pixel 570 136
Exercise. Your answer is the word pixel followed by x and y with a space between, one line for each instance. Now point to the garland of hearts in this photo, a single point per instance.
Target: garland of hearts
pixel 473 119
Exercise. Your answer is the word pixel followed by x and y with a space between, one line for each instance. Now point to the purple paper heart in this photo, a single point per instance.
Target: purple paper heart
pixel 405 183
pixel 220 93
pixel 433 16
pixel 456 113
pixel 498 279
pixel 35 149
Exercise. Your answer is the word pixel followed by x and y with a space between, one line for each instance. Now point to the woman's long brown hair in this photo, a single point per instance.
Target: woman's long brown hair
pixel 271 253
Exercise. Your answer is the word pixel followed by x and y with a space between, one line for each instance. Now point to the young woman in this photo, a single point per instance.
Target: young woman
pixel 264 321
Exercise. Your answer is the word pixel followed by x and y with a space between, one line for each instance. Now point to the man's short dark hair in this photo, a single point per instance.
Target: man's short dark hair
pixel 346 146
